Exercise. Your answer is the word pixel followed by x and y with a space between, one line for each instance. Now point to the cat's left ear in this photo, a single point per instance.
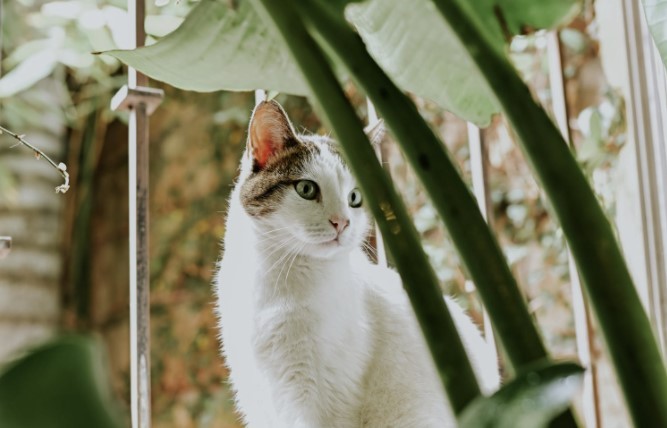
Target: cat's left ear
pixel 270 131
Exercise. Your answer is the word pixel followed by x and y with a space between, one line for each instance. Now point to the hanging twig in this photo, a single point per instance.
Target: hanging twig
pixel 61 167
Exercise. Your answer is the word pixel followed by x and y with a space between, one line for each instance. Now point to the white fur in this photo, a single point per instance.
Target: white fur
pixel 314 334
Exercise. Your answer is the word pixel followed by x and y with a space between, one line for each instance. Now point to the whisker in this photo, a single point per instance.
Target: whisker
pixel 289 254
pixel 296 254
pixel 274 250
pixel 272 232
pixel 370 249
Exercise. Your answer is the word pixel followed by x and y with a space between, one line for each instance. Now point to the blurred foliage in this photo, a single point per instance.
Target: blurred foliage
pixel 62 384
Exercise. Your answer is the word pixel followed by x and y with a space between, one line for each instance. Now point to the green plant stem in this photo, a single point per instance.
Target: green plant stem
pixel 451 197
pixel 626 328
pixel 400 235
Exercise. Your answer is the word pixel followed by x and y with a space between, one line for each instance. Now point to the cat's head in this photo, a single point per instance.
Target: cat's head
pixel 298 190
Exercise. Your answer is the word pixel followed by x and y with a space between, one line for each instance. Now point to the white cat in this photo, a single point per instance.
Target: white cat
pixel 314 334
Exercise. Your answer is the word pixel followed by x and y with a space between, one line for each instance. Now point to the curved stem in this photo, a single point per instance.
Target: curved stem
pixel 400 235
pixel 626 328
pixel 472 237
pixel 62 169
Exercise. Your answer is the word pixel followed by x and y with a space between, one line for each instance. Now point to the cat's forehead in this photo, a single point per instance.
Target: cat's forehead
pixel 327 161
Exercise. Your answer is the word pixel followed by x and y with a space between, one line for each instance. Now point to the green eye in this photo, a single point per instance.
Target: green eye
pixel 354 198
pixel 306 189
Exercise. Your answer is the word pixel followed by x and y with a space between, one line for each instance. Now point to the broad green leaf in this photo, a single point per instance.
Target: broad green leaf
pixel 418 50
pixel 218 47
pixel 531 400
pixel 656 16
pixel 60 385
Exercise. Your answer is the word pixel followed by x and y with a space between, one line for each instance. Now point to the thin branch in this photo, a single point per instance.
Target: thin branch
pixel 61 167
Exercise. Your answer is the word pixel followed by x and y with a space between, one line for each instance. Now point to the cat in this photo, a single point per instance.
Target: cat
pixel 313 333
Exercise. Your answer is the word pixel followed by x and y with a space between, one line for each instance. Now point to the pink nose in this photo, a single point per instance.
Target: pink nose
pixel 339 223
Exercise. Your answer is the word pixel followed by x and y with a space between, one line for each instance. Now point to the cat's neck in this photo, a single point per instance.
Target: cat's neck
pixel 297 275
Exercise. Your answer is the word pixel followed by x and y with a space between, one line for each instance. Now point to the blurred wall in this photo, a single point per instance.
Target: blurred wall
pixel 31 213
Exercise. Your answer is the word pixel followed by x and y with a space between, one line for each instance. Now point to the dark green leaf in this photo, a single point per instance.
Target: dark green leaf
pixel 531 400
pixel 60 385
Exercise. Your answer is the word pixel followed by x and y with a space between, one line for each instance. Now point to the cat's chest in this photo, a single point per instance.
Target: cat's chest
pixel 326 329
pixel 318 328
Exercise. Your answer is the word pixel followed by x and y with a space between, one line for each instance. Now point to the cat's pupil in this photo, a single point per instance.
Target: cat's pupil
pixel 306 189
pixel 354 198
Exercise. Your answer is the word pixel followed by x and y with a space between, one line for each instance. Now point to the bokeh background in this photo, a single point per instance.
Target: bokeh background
pixel 69 266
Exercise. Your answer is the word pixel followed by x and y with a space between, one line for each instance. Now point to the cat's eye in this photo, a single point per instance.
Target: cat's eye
pixel 354 198
pixel 306 189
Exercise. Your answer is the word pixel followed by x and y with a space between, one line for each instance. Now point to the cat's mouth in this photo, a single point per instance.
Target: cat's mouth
pixel 332 242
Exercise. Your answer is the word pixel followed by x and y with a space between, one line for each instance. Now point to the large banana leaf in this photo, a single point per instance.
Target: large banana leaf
pixel 218 47
pixel 225 47
pixel 656 16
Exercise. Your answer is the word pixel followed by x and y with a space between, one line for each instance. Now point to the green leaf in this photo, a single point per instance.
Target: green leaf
pixel 656 17
pixel 60 385
pixel 525 16
pixel 424 56
pixel 421 54
pixel 531 400
pixel 161 25
pixel 218 47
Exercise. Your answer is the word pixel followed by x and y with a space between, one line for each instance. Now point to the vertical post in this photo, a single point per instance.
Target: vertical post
pixel 645 103
pixel 140 100
pixel 479 163
pixel 139 285
pixel 582 317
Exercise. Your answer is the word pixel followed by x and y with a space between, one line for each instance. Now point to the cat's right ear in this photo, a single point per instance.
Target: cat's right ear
pixel 376 132
pixel 270 131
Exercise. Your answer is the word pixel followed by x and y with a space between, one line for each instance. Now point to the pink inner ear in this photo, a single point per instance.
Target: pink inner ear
pixel 269 129
pixel 264 145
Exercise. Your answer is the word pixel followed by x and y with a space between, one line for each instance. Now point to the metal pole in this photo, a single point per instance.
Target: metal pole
pixel 479 168
pixel 646 119
pixel 582 318
pixel 139 284
pixel 140 101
